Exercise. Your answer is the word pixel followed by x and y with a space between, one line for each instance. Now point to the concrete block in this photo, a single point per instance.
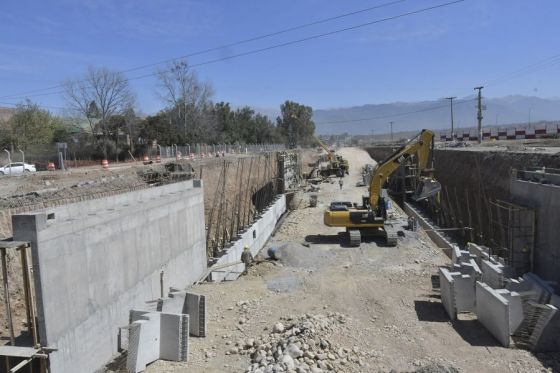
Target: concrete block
pixel 530 282
pixel 154 336
pixel 470 268
pixel 546 335
pixel 492 312
pixel 492 274
pixel 457 292
pixel 143 342
pixel 196 308
pixel 447 292
pixel 479 252
pixel 515 308
pixel 458 256
pixel 190 304
pixel 464 293
pixel 174 338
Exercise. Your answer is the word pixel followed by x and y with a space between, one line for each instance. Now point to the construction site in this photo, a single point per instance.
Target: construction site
pixel 134 268
pixel 192 186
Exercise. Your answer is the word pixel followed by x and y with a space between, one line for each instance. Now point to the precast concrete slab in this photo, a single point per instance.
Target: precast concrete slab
pixel 156 335
pixel 457 292
pixel 492 274
pixel 546 334
pixel 493 311
pixel 190 304
pixel 459 256
pixel 530 282
pixel 470 268
pixel 464 293
pixel 479 252
pixel 96 260
pixel 447 293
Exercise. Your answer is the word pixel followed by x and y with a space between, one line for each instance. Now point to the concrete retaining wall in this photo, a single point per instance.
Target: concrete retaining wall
pixel 255 237
pixel 545 199
pixel 96 260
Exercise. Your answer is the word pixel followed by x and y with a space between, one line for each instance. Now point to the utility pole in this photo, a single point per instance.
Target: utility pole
pixel 391 123
pixel 479 115
pixel 452 129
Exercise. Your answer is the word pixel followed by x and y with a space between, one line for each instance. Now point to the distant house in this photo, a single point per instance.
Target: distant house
pixel 6 113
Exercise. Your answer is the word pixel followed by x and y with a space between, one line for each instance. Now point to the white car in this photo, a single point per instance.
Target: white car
pixel 17 168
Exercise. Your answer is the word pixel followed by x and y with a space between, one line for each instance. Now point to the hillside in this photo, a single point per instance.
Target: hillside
pixel 434 114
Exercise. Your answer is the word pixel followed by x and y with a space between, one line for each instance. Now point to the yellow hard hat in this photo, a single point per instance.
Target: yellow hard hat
pixel 246 247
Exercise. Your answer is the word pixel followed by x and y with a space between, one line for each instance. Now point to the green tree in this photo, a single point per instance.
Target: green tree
pixel 296 124
pixel 30 125
pixel 159 127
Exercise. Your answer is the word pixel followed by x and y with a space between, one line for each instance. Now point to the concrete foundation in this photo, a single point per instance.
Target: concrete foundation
pixel 255 237
pixel 96 260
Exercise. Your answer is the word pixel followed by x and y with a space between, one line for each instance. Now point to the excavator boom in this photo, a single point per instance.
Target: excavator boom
pixel 419 147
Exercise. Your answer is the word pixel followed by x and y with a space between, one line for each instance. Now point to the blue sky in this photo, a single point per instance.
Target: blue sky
pixel 427 56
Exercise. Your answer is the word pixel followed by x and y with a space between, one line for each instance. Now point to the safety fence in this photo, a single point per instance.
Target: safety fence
pixel 502 133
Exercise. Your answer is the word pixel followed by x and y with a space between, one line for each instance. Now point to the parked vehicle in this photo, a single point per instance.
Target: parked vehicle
pixel 17 168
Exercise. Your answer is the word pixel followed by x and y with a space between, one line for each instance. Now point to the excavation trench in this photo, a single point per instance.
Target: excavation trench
pixel 477 195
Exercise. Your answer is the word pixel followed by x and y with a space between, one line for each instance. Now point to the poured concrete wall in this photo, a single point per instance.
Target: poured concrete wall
pixel 94 261
pixel 545 199
pixel 255 237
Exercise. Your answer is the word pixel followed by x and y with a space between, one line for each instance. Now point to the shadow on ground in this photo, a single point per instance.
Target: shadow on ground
pixel 341 239
pixel 470 330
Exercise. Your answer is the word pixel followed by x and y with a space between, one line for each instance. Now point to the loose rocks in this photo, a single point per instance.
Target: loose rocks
pixel 302 346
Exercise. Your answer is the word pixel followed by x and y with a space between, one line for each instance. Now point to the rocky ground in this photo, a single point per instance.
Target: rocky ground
pixel 326 307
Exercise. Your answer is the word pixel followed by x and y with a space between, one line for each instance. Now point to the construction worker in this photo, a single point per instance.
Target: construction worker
pixel 340 182
pixel 246 258
pixel 412 224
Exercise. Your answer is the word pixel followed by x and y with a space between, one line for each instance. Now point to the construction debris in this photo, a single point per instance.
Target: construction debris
pixel 303 345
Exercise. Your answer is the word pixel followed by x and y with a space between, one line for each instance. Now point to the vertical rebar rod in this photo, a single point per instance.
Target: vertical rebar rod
pixel 246 201
pixel 7 297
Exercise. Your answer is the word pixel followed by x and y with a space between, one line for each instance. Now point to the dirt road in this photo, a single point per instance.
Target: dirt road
pixel 388 315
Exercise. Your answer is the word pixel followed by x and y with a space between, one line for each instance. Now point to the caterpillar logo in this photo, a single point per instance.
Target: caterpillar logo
pixel 402 158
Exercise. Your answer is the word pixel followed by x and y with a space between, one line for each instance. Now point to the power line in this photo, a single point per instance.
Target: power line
pixel 233 44
pixel 529 69
pixel 394 115
pixel 288 43
pixel 42 106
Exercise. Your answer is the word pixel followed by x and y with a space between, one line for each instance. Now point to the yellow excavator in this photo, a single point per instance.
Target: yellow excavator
pixel 337 165
pixel 370 218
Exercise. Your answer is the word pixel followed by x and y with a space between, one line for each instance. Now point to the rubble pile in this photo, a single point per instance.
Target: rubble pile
pixel 302 345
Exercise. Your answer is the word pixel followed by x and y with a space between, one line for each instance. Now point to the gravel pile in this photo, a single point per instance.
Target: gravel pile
pixel 302 345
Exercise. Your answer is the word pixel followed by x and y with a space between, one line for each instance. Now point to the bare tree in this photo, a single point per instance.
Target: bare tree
pixel 100 94
pixel 185 96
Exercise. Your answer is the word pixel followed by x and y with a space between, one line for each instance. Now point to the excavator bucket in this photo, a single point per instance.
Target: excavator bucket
pixel 427 188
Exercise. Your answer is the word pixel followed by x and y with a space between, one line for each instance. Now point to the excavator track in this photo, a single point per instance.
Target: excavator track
pixel 355 237
pixel 390 235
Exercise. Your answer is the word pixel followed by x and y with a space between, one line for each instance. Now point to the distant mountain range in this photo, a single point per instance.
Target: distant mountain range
pixel 411 116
